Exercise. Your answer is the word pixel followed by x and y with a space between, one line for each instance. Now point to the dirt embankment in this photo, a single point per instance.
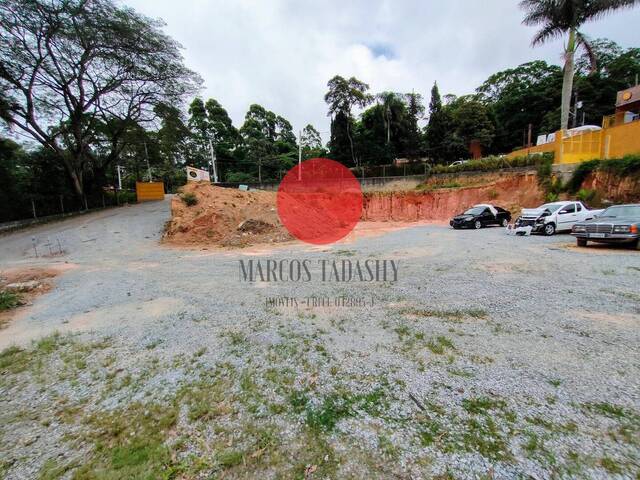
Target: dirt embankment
pixel 225 217
pixel 233 218
pixel 613 188
pixel 439 200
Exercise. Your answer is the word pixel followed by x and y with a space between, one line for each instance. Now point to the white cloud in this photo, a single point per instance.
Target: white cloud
pixel 281 53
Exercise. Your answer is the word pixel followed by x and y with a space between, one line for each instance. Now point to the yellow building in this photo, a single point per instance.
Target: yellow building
pixel 619 136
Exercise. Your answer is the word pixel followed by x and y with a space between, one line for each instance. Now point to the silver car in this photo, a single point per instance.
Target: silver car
pixel 617 224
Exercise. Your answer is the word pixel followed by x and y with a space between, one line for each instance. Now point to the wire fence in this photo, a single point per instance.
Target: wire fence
pixel 35 207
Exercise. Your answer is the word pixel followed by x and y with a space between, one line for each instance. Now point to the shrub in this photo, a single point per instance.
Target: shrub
pixel 580 174
pixel 189 199
pixel 488 164
pixel 9 300
pixel 240 177
pixel 625 166
pixel 551 197
pixel 124 196
pixel 586 195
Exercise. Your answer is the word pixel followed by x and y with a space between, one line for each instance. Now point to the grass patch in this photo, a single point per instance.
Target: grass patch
pixel 130 443
pixel 482 405
pixel 9 300
pixel 610 465
pixel 16 360
pixel 189 199
pixel 325 415
pixel 611 410
pixel 483 436
pixel 456 315
pixel 439 345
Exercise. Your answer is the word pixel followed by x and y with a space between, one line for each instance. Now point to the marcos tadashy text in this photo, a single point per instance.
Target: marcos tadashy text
pixel 323 270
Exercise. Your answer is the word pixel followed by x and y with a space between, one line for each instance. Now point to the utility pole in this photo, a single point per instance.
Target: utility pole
pixel 529 137
pixel 213 162
pixel 146 154
pixel 118 167
pixel 300 157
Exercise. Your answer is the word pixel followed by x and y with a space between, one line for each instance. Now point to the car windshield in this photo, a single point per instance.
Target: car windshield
pixel 632 211
pixel 552 207
pixel 474 211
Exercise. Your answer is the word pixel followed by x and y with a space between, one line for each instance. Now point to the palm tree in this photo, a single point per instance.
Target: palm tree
pixel 559 17
pixel 390 102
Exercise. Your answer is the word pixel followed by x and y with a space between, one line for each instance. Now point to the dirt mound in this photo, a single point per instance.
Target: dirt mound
pixel 439 201
pixel 224 217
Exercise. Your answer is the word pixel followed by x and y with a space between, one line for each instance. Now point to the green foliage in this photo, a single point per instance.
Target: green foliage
pixel 580 174
pixel 9 300
pixel 586 195
pixel 517 97
pixel 130 443
pixel 124 196
pixel 488 164
pixel 344 95
pixel 342 404
pixel 623 167
pixel 240 177
pixel 189 199
pixel 120 60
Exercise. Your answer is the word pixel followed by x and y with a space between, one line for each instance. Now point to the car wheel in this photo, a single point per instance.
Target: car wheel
pixel 582 242
pixel 477 225
pixel 549 229
pixel 505 222
pixel 637 244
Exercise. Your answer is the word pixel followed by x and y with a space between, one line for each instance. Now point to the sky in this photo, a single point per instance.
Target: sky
pixel 281 53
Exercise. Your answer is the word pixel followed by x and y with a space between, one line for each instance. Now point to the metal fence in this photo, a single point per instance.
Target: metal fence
pixel 31 209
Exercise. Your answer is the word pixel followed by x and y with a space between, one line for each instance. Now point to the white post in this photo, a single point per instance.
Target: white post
pixel 300 157
pixel 146 154
pixel 118 167
pixel 213 162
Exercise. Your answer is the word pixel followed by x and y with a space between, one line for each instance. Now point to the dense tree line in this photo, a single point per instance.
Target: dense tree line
pixel 97 85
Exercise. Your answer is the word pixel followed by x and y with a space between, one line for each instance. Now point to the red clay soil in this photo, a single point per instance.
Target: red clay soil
pixel 224 217
pixel 233 218
pixel 42 275
pixel 511 191
pixel 613 188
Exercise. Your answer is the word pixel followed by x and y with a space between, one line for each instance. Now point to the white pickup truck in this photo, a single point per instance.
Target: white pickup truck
pixel 554 217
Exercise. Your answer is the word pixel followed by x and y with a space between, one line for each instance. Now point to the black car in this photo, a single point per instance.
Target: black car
pixel 617 224
pixel 480 216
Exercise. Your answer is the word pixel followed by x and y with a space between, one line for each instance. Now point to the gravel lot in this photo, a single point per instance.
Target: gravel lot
pixel 490 357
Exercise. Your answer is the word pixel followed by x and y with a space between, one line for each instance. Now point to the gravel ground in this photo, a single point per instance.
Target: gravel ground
pixel 490 357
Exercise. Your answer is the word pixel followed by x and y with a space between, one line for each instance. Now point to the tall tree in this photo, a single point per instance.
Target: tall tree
pixel 342 97
pixel 519 96
pixel 311 143
pixel 68 65
pixel 268 141
pixel 471 122
pixel 173 133
pixel 415 113
pixel 199 134
pixel 564 17
pixel 438 125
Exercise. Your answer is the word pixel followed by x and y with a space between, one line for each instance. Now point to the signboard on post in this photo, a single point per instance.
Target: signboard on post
pixel 197 175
